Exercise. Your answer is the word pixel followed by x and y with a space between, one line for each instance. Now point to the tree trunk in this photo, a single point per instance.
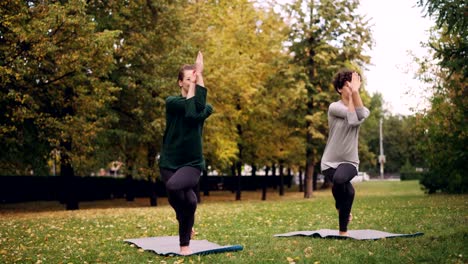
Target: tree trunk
pixel 239 175
pixel 314 180
pixel 301 181
pixel 264 186
pixel 71 184
pixel 290 178
pixel 309 171
pixel 153 195
pixel 281 179
pixel 130 196
pixel 233 173
pixel 151 158
pixel 273 175
pixel 240 147
pixel 308 180
pixel 254 176
pixel 66 169
pixel 311 91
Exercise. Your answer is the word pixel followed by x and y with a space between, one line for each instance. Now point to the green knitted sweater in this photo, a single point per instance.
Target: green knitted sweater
pixel 182 141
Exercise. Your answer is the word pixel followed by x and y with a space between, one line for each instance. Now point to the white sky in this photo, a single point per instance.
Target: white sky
pixel 398 27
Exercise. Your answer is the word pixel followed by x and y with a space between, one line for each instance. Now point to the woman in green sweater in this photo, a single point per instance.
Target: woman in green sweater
pixel 181 160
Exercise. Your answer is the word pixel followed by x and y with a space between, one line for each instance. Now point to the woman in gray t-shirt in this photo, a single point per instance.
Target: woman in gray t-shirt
pixel 340 159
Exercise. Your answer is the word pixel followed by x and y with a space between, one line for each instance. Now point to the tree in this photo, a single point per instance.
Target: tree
pixel 450 18
pixel 148 56
pixel 397 143
pixel 243 50
pixel 369 135
pixel 443 127
pixel 400 139
pixel 276 131
pixel 53 73
pixel 326 36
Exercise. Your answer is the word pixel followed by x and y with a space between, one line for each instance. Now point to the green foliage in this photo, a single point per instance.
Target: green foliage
pixel 369 135
pixel 444 126
pixel 434 182
pixel 408 172
pixel 94 74
pixel 400 141
pixel 148 55
pixel 53 77
pixel 277 119
pixel 325 36
pixel 244 60
pixel 452 23
pixel 444 143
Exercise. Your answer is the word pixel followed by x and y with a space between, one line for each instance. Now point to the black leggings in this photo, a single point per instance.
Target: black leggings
pixel 342 190
pixel 179 186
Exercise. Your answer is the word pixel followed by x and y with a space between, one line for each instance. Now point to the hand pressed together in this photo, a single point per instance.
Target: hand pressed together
pixel 355 83
pixel 198 72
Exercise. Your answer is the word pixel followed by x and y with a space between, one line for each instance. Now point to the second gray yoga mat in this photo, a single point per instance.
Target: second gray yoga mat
pixel 364 234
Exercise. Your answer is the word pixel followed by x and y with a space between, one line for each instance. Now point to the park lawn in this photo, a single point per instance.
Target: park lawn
pixel 95 234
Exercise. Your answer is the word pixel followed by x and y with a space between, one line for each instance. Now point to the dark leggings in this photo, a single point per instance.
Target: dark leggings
pixel 342 190
pixel 179 186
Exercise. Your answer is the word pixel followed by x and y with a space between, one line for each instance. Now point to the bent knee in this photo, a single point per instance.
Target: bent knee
pixel 192 203
pixel 170 186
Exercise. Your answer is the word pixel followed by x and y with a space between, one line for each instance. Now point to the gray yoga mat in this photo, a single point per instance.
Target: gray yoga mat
pixel 365 234
pixel 169 245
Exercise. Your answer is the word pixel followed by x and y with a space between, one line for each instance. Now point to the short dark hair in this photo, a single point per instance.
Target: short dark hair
pixel 185 67
pixel 341 78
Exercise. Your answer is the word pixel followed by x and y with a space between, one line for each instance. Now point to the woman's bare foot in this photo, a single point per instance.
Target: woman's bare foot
pixel 343 233
pixel 185 250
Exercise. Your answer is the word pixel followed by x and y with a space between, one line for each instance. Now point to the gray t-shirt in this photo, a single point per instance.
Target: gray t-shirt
pixel 342 144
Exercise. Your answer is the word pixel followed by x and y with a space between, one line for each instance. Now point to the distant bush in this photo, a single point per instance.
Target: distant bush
pixel 434 182
pixel 408 172
pixel 406 176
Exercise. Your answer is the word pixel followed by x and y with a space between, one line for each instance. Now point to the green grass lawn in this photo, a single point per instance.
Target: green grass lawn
pixel 44 233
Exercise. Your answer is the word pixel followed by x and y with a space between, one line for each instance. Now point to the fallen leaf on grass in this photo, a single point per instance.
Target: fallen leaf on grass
pixel 291 260
pixel 308 252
